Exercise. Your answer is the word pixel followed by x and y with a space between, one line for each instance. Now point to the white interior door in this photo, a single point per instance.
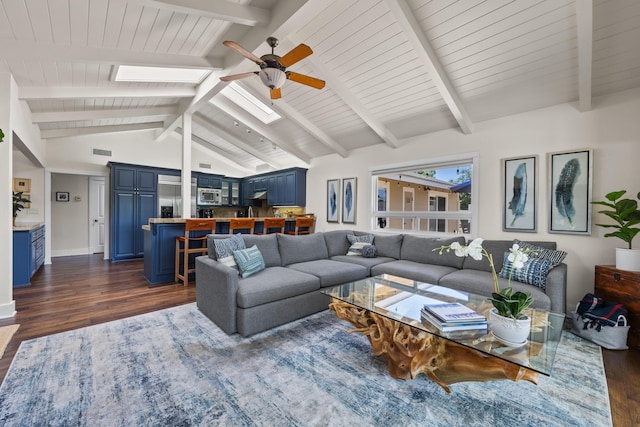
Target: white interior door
pixel 408 205
pixel 96 214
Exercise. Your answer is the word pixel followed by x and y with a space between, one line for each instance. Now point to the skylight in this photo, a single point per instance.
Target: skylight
pixel 250 103
pixel 130 73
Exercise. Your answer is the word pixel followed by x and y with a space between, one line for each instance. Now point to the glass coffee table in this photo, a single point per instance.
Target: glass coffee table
pixel 386 309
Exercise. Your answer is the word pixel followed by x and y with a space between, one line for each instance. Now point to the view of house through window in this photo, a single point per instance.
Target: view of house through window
pixel 430 198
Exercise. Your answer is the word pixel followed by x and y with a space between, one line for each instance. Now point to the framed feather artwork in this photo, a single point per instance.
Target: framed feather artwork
pixel 520 201
pixel 349 197
pixel 570 183
pixel 333 200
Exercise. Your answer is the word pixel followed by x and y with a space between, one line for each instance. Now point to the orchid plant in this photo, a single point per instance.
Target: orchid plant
pixel 507 302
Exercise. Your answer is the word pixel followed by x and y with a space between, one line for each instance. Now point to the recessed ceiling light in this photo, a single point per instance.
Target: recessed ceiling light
pixel 250 103
pixel 130 73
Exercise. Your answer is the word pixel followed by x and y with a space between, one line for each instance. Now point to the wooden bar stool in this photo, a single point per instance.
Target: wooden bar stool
pixel 241 224
pixel 184 247
pixel 304 225
pixel 276 224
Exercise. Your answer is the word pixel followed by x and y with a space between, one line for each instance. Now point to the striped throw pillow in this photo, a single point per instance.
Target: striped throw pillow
pixel 250 261
pixel 534 272
pixel 224 249
pixel 358 242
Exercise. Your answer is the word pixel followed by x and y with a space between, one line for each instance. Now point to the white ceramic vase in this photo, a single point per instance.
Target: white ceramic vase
pixel 628 259
pixel 507 330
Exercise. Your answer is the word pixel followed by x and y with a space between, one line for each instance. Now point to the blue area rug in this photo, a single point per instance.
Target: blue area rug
pixel 176 368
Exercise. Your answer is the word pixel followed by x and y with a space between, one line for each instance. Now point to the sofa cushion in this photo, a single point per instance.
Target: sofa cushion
pixel 336 241
pixel 249 261
pixel 533 272
pixel 223 249
pixel 358 242
pixel 268 246
pixel 421 250
pixel 331 273
pixel 388 245
pixel 496 248
pixel 366 262
pixel 427 273
pixel 274 284
pixel 481 283
pixel 294 249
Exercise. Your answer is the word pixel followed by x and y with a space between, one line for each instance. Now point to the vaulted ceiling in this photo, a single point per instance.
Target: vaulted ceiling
pixel 394 68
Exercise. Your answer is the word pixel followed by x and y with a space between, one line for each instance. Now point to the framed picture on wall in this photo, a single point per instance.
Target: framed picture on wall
pixel 333 200
pixel 62 196
pixel 570 182
pixel 349 190
pixel 520 200
pixel 22 184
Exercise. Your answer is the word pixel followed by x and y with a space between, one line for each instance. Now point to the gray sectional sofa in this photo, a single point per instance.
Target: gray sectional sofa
pixel 298 267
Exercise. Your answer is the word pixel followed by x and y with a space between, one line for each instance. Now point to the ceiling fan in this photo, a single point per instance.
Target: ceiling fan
pixel 273 67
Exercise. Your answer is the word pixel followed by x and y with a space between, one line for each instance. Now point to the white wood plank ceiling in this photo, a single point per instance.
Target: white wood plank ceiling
pixel 394 68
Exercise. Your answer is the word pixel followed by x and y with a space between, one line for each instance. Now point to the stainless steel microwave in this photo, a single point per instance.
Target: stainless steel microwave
pixel 209 197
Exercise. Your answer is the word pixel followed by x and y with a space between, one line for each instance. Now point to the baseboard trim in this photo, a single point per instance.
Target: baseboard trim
pixel 8 310
pixel 70 252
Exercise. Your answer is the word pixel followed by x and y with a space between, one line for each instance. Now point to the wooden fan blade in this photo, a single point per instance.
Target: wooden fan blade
pixel 275 93
pixel 236 76
pixel 244 52
pixel 296 54
pixel 305 80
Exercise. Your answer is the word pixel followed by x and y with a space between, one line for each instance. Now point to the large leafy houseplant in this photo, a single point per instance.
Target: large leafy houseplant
pixel 624 212
pixel 507 302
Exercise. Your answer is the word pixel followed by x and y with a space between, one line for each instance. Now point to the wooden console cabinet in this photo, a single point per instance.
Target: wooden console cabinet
pixel 621 286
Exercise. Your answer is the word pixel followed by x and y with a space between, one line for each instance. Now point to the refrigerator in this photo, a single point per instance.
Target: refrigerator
pixel 170 196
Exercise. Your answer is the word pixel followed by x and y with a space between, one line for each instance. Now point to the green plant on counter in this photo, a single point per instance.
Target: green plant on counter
pixel 18 202
pixel 1 135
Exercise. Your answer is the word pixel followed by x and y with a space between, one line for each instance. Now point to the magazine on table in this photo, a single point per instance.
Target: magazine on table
pixel 454 326
pixel 454 312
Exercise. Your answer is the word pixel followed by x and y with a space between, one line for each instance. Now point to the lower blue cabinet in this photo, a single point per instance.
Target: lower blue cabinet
pixel 28 254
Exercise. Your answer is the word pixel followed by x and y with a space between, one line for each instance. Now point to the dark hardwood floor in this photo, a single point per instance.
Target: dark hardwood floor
pixel 79 291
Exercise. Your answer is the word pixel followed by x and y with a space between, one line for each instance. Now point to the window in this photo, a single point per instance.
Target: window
pixel 433 196
pixel 250 103
pixel 133 73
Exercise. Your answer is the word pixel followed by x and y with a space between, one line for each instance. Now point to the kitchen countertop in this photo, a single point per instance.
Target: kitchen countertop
pixel 182 220
pixel 26 227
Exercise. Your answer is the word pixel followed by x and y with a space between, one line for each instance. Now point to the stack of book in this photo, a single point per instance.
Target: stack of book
pixel 453 316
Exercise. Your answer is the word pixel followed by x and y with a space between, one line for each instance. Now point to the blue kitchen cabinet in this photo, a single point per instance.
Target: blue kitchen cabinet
pixel 28 254
pixel 209 181
pixel 134 200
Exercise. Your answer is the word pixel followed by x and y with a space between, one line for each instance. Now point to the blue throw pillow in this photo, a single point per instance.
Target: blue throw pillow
pixel 534 272
pixel 543 253
pixel 224 249
pixel 250 261
pixel 369 251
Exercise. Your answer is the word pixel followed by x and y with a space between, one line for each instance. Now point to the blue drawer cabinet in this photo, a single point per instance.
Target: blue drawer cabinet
pixel 28 254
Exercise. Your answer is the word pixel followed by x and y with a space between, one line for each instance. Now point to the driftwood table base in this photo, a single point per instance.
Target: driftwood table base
pixel 410 351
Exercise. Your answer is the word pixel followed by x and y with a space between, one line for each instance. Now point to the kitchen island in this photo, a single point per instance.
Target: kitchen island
pixel 160 245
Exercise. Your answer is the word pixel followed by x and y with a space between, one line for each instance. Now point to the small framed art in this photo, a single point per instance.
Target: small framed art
pixel 333 200
pixel 520 200
pixel 570 182
pixel 349 193
pixel 62 196
pixel 22 184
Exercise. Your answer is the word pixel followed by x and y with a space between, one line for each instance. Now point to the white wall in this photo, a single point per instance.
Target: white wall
pixel 70 220
pixel 611 129
pixel 135 147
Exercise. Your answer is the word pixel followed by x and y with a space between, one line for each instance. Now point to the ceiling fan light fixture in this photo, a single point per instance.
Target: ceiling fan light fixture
pixel 272 77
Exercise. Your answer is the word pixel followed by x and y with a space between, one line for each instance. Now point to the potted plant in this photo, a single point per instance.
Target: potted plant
pixel 18 204
pixel 626 215
pixel 507 320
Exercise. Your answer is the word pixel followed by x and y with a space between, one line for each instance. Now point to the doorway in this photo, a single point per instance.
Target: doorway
pixel 408 205
pixel 96 214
